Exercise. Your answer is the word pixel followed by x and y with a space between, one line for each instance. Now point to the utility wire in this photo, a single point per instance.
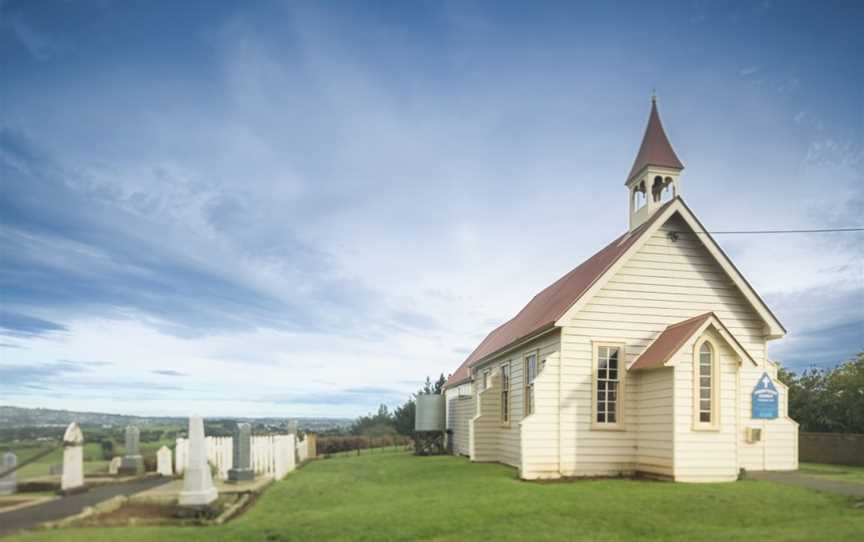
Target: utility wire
pixel 760 232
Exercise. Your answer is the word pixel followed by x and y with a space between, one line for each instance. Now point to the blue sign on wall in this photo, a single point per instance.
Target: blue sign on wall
pixel 765 399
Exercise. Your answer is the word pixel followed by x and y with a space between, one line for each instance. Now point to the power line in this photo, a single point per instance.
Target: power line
pixel 761 232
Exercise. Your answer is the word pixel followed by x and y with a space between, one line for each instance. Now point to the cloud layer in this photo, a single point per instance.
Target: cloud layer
pixel 276 209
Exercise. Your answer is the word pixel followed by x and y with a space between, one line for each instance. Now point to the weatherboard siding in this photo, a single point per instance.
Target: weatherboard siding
pixel 654 452
pixel 778 449
pixel 706 455
pixel 665 282
pixel 507 439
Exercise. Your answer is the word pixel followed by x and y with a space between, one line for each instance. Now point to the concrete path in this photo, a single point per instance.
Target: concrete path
pixel 27 518
pixel 795 478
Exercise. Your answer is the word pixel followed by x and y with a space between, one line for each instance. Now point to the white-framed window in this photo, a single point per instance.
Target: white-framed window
pixel 505 393
pixel 487 374
pixel 532 368
pixel 608 399
pixel 705 394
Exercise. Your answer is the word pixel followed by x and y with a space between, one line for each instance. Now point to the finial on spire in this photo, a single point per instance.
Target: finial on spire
pixel 653 95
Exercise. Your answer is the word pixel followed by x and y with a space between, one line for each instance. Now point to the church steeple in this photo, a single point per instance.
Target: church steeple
pixel 654 175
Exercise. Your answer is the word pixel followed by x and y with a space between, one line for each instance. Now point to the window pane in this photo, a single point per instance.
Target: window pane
pixel 602 374
pixel 610 407
pixel 613 374
pixel 705 381
pixel 601 395
pixel 613 395
pixel 610 418
pixel 613 386
pixel 601 417
pixel 705 393
pixel 705 417
pixel 705 405
pixel 613 356
pixel 601 385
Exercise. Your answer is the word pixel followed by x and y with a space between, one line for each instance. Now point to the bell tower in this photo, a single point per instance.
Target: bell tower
pixel 653 179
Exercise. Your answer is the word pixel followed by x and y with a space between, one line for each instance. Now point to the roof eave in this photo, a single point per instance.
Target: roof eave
pixel 513 345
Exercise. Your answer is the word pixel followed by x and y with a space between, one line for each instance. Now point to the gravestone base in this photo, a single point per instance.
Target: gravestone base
pixel 204 511
pixel 131 465
pixel 8 487
pixel 241 475
pixel 197 499
pixel 73 491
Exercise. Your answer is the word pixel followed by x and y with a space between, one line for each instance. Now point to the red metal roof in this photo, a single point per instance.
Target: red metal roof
pixel 656 149
pixel 668 342
pixel 549 305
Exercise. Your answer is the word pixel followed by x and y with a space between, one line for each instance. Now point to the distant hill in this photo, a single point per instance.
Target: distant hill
pixel 11 416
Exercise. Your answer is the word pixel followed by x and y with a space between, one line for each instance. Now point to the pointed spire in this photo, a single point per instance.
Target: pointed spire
pixel 656 149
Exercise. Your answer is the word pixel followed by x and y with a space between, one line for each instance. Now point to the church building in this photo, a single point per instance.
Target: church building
pixel 648 358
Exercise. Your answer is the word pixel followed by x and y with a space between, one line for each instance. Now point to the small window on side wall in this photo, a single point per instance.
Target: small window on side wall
pixel 608 385
pixel 531 370
pixel 505 393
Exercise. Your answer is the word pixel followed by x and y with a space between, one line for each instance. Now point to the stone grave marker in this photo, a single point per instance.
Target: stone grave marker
pixel 163 462
pixel 198 490
pixel 242 454
pixel 114 465
pixel 9 483
pixel 133 462
pixel 72 478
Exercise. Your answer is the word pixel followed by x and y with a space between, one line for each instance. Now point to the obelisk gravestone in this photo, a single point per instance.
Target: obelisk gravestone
pixel 198 489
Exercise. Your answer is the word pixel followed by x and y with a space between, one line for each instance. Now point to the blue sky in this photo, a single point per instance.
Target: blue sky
pixel 297 208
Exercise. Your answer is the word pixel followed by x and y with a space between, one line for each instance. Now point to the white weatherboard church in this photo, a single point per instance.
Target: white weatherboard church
pixel 650 357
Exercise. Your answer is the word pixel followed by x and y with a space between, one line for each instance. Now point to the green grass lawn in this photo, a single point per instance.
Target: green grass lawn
pixel 402 497
pixel 833 472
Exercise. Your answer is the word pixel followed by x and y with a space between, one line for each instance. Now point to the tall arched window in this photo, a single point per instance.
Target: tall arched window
pixel 706 384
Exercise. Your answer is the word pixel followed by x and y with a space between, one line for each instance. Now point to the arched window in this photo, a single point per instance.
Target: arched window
pixel 706 384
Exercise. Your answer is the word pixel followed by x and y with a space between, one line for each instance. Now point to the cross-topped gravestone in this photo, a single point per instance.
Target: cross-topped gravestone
pixel 242 454
pixel 132 463
pixel 8 483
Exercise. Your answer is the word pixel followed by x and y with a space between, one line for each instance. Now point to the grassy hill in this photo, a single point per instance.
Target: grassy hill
pixel 398 496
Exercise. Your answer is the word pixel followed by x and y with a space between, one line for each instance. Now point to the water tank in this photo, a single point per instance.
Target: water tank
pixel 430 413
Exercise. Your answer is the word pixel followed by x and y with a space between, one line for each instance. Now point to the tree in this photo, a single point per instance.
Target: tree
pixel 828 400
pixel 404 417
pixel 107 449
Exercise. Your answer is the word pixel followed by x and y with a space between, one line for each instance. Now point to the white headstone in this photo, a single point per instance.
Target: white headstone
pixel 198 489
pixel 73 458
pixel 163 462
pixel 8 483
pixel 114 465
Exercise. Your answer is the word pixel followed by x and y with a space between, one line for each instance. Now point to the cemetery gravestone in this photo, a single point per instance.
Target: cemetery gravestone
pixel 114 465
pixel 163 462
pixel 133 462
pixel 242 454
pixel 198 490
pixel 9 483
pixel 72 478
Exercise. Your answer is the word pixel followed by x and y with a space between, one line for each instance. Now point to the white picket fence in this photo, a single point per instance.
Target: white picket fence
pixel 272 455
